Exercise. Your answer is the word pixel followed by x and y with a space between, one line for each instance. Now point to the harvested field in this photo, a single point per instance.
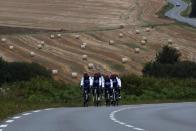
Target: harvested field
pixel 97 22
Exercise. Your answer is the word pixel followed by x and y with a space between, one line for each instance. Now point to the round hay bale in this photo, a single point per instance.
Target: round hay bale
pixel 39 46
pixel 90 66
pixel 59 35
pixel 55 72
pixel 11 47
pixel 148 29
pixel 144 38
pixel 137 50
pixel 74 75
pixel 84 57
pixel 83 46
pixel 124 60
pixel 121 35
pixel 137 31
pixel 170 41
pixel 52 36
pixel 77 36
pixel 42 43
pixel 32 54
pixel 177 48
pixel 111 42
pixel 3 40
pixel 143 42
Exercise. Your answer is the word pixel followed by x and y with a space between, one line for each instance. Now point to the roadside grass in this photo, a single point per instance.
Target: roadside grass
pixel 168 7
pixel 10 107
pixel 40 93
pixel 188 10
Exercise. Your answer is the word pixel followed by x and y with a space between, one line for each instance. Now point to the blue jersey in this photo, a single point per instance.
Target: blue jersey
pixel 96 82
pixel 115 82
pixel 107 83
pixel 86 82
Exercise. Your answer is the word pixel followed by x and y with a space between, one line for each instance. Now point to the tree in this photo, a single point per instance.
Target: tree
pixel 168 55
pixel 168 64
pixel 193 12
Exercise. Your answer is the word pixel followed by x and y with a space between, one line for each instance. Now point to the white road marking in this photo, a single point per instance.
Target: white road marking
pixel 129 126
pixel 26 114
pixel 1 129
pixel 112 117
pixel 9 121
pixel 16 117
pixel 48 109
pixel 139 129
pixel 3 126
pixel 36 111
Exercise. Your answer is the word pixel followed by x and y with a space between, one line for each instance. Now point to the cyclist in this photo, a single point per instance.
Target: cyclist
pixel 107 85
pixel 96 84
pixel 86 83
pixel 116 83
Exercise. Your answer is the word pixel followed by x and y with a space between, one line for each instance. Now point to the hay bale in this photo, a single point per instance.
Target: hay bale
pixel 84 57
pixel 83 46
pixel 59 35
pixel 124 60
pixel 121 35
pixel 111 42
pixel 52 36
pixel 90 66
pixel 11 47
pixel 177 48
pixel 39 46
pixel 32 54
pixel 137 50
pixel 74 75
pixel 170 41
pixel 42 43
pixel 3 40
pixel 77 36
pixel 144 38
pixel 137 31
pixel 143 42
pixel 148 29
pixel 55 72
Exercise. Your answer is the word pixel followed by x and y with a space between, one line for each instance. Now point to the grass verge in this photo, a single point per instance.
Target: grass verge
pixel 188 10
pixel 40 93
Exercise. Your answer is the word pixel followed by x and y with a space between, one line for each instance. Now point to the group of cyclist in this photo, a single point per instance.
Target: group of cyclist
pixel 107 86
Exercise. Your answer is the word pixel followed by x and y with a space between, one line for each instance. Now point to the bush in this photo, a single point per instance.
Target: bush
pixel 20 71
pixel 167 55
pixel 147 88
pixel 44 90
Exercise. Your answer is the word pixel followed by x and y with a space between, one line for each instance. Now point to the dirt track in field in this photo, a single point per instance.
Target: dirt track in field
pixel 97 22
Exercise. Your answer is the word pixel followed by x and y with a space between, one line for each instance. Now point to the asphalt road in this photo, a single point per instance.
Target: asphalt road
pixel 175 13
pixel 153 117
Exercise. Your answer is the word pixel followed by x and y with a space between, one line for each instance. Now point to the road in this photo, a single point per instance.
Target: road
pixel 175 13
pixel 151 117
